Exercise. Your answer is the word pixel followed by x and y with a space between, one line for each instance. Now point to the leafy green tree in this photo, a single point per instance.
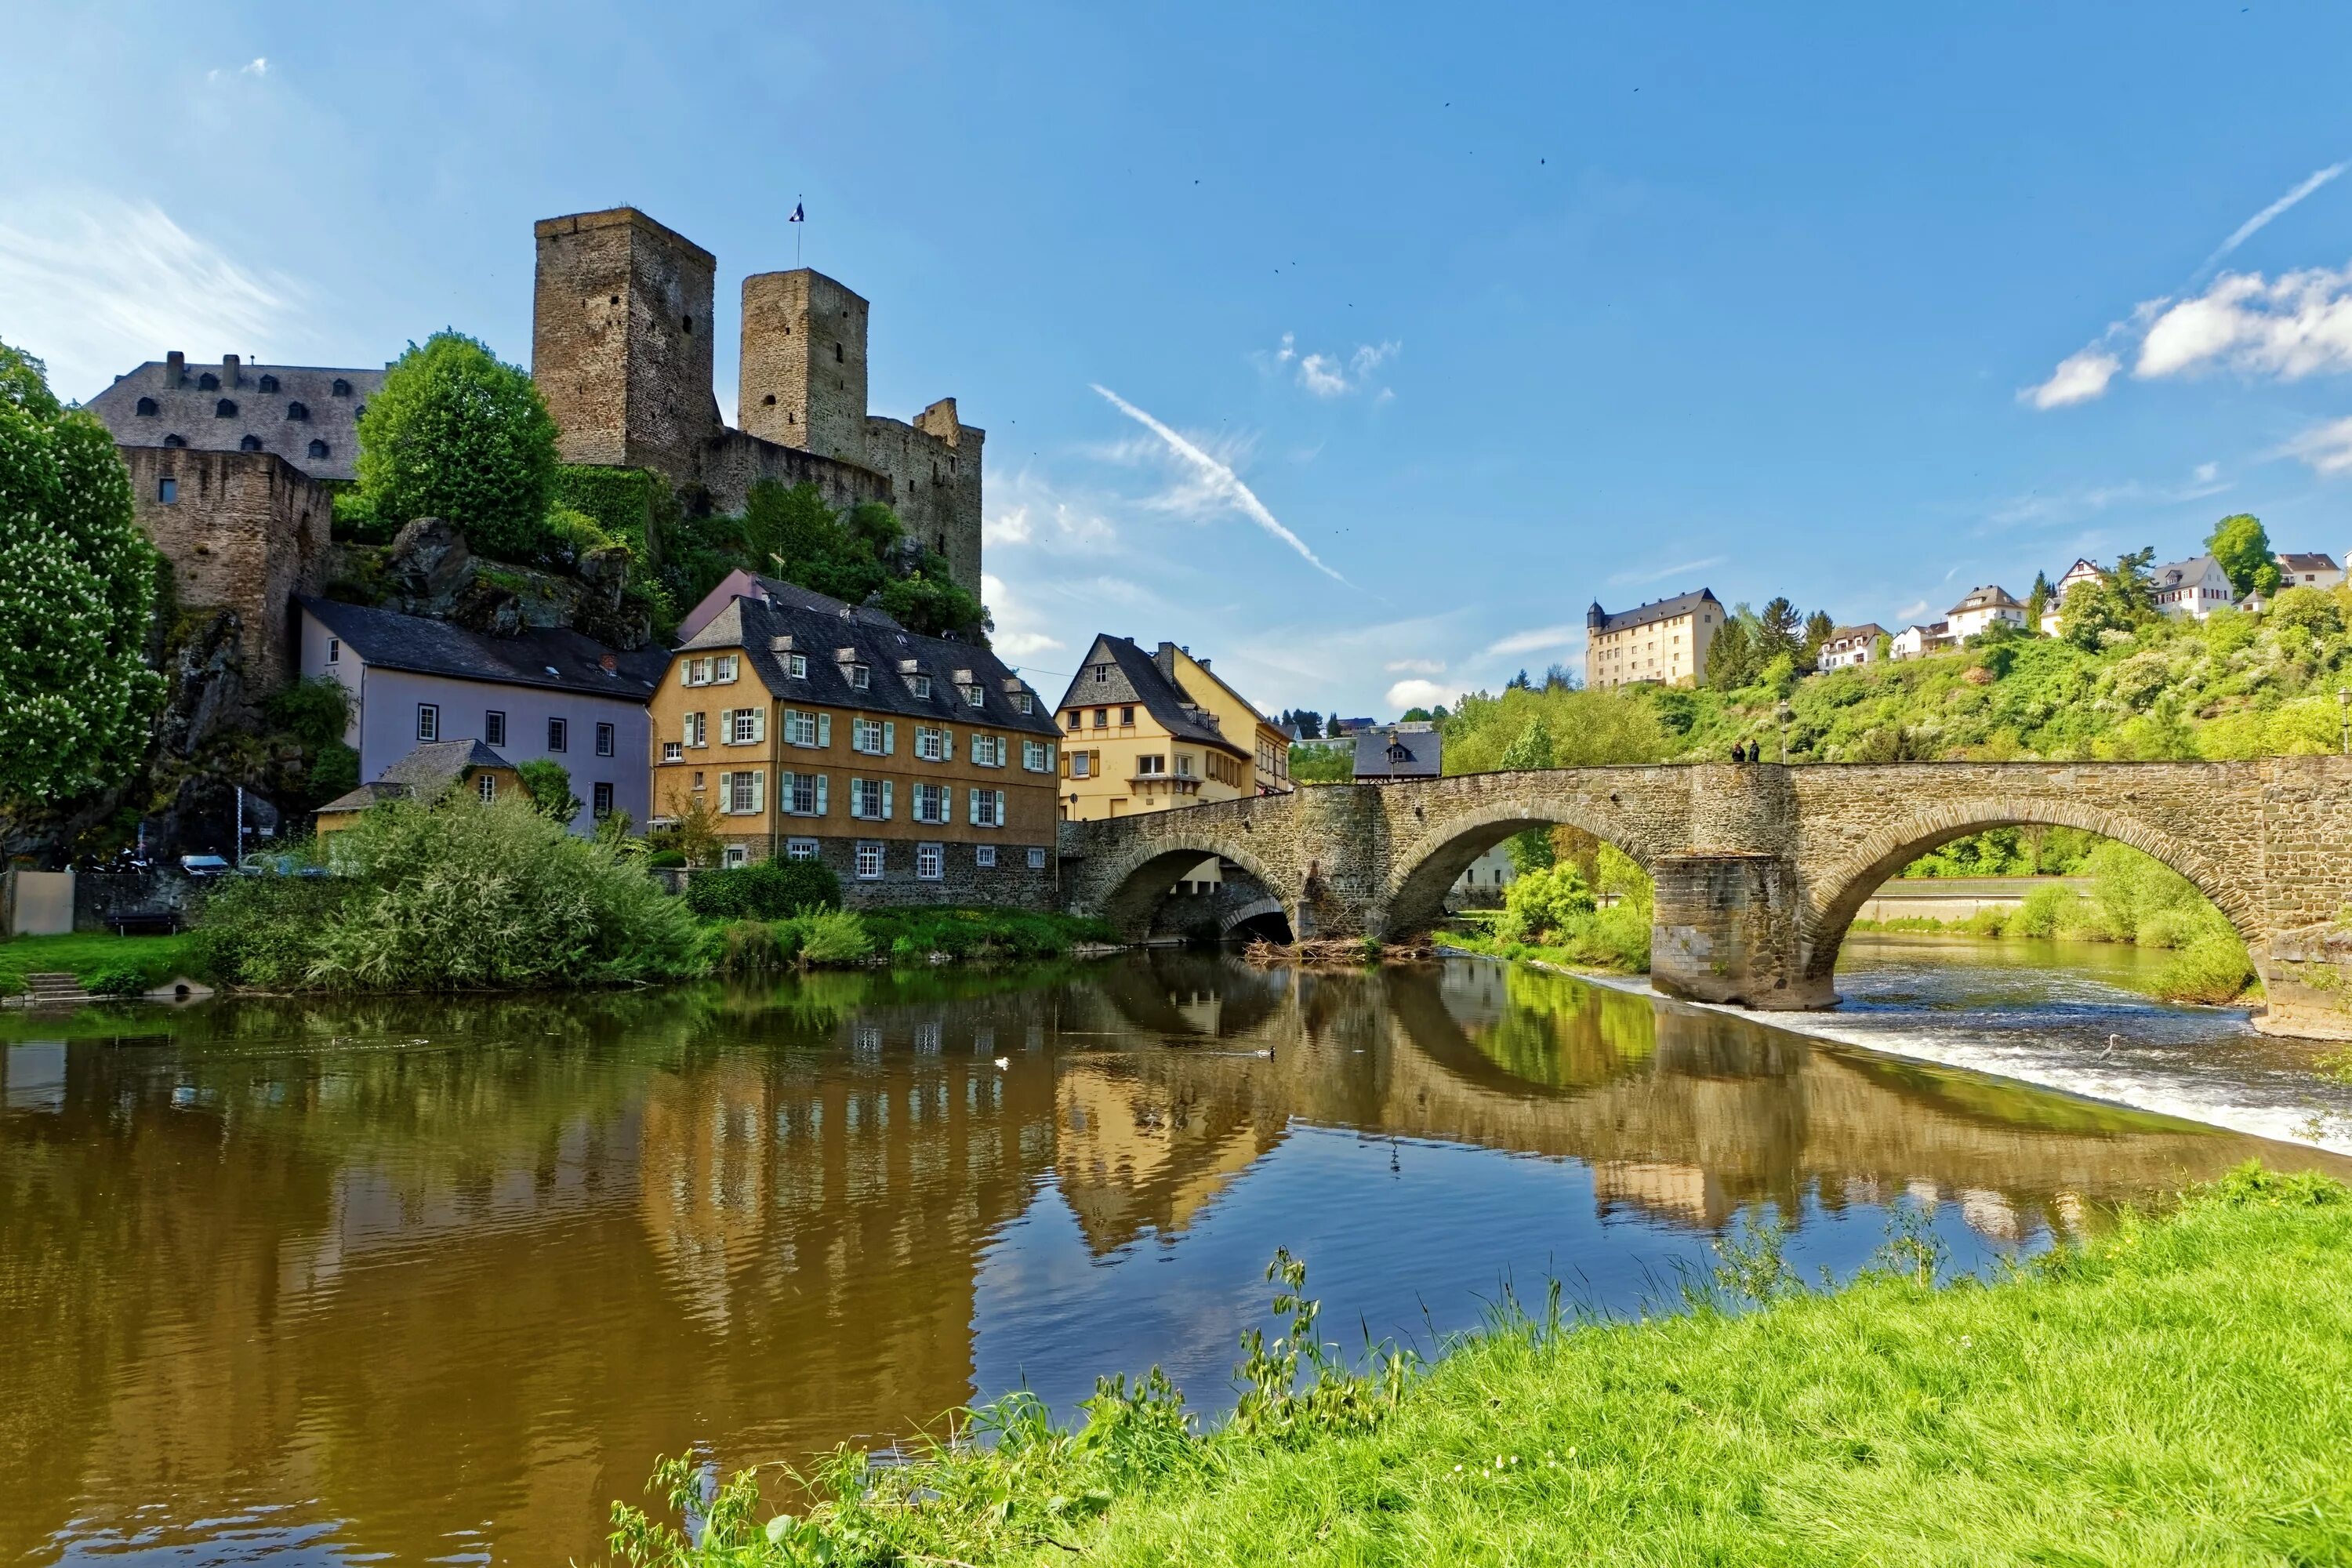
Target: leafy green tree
pixel 2037 603
pixel 1416 716
pixel 456 434
pixel 1777 631
pixel 1310 724
pixel 1731 656
pixel 1819 629
pixel 1532 748
pixel 78 584
pixel 861 554
pixel 548 785
pixel 2122 600
pixel 2240 546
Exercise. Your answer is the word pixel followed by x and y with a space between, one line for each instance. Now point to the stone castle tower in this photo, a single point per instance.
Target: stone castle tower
pixel 621 350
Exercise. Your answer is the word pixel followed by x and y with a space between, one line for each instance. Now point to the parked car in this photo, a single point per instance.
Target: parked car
pixel 203 865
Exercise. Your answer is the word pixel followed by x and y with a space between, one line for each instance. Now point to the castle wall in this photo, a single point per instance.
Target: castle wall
pixel 621 341
pixel 246 532
pixel 803 381
pixel 734 460
pixel 934 467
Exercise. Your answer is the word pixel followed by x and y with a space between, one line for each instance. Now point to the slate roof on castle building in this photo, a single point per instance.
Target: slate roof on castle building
pixel 796 621
pixel 1681 605
pixel 557 659
pixel 1131 675
pixel 291 410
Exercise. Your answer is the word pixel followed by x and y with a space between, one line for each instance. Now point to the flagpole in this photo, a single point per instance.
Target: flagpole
pixel 798 209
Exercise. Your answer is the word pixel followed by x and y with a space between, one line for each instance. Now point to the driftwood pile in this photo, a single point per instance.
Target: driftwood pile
pixel 1336 952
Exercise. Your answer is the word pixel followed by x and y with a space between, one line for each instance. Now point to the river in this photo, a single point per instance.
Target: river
pixel 327 1283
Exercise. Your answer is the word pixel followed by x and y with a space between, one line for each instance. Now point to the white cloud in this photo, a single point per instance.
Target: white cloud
pixel 1912 612
pixel 1625 579
pixel 1536 640
pixel 2326 447
pixel 257 67
pixel 2080 377
pixel 1333 374
pixel 1418 694
pixel 1215 480
pixel 2208 472
pixel 1415 666
pixel 2252 226
pixel 95 285
pixel 1017 633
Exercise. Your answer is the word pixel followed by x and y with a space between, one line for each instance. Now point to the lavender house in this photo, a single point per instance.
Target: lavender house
pixel 552 694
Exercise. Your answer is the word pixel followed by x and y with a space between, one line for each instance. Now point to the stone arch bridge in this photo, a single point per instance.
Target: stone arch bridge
pixel 1761 867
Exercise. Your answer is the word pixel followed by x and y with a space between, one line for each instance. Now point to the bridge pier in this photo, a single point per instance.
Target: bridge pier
pixel 1727 929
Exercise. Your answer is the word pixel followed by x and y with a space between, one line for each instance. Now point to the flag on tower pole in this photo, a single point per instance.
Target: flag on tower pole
pixel 798 216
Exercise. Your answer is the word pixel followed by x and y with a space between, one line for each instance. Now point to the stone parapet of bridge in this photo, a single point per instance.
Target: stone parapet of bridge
pixel 1760 869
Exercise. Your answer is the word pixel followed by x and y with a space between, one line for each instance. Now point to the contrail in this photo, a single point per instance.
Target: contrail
pixel 1222 479
pixel 2254 225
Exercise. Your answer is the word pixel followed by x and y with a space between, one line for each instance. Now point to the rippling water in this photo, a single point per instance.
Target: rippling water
pixel 324 1283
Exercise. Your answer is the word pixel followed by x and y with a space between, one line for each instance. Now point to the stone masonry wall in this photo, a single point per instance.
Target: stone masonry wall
pixel 934 467
pixel 247 531
pixel 802 381
pixel 963 883
pixel 621 341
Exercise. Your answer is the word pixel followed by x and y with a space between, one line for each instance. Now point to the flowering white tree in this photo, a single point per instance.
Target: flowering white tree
pixel 77 589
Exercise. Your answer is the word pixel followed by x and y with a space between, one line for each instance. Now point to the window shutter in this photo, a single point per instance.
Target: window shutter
pixel 1000 808
pixel 824 729
pixel 885 800
pixel 889 739
pixel 947 745
pixel 820 795
pixel 759 791
pixel 975 808
pixel 1050 749
pixel 759 725
pixel 975 748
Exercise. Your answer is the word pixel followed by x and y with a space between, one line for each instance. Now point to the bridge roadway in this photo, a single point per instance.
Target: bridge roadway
pixel 1761 867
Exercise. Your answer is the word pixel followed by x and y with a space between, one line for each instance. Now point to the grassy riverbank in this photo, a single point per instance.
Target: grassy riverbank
pixel 2169 1392
pixel 837 938
pixel 100 961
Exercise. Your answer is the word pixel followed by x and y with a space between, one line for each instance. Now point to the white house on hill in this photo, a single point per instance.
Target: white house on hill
pixel 2081 572
pixel 2313 571
pixel 1851 645
pixel 2195 587
pixel 1982 608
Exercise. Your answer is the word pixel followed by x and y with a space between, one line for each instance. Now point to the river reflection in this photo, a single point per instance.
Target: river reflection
pixel 321 1282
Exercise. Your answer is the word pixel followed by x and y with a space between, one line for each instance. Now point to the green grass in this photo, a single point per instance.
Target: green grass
pixel 1612 943
pixel 87 955
pixel 2172 1392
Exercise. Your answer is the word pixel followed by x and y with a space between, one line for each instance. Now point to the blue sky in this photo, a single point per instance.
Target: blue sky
pixel 1358 347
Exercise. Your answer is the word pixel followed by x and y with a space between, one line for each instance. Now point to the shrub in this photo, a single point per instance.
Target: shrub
pixel 830 936
pixel 1538 903
pixel 666 859
pixel 772 889
pixel 115 980
pixel 453 897
pixel 2213 969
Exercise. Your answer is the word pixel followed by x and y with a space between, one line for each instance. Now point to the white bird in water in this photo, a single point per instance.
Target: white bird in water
pixel 1004 1064
pixel 2113 1041
pixel 1268 1054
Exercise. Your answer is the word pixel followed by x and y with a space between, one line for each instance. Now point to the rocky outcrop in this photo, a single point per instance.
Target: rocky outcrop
pixel 429 570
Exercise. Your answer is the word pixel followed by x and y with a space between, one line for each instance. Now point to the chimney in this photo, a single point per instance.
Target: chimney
pixel 608 663
pixel 228 369
pixel 176 368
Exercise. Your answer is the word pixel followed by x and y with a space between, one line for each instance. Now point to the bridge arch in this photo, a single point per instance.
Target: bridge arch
pixel 1836 892
pixel 1137 880
pixel 1255 911
pixel 1425 869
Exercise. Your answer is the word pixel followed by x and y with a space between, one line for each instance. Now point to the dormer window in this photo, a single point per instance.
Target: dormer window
pixel 208 382
pixel 973 694
pixel 298 411
pixel 318 448
pixel 860 677
pixel 341 388
pixel 224 409
pixel 149 406
pixel 919 684
pixel 796 665
pixel 175 441
pixel 251 444
pixel 1023 702
pixel 267 384
pixel 1102 675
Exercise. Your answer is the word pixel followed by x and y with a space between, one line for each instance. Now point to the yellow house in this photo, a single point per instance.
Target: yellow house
pixel 428 771
pixel 1662 644
pixel 1145 731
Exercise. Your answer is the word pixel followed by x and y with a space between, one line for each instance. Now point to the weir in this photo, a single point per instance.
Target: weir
pixel 1761 867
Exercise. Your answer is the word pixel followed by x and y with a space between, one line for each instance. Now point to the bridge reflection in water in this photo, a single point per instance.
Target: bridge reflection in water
pixel 425 1279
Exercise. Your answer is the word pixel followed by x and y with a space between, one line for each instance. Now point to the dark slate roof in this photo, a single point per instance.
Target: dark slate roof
pixel 190 410
pixel 2173 574
pixel 1992 596
pixel 1419 753
pixel 1136 677
pixel 883 645
pixel 564 660
pixel 2296 562
pixel 1866 632
pixel 428 768
pixel 1663 610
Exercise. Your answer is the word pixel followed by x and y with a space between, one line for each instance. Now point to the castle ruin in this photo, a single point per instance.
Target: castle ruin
pixel 622 350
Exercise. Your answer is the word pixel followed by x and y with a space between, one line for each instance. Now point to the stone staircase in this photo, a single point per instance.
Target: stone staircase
pixel 54 991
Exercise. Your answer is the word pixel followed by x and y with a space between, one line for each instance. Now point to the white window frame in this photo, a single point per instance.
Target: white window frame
pixel 698 672
pixel 1037 756
pixel 698 729
pixel 975 694
pixel 930 862
pixel 933 746
pixel 984 856
pixel 1081 765
pixel 1036 858
pixel 746 726
pixel 1150 765
pixel 672 752
pixel 790 788
pixel 866 794
pixel 599 799
pixel 919 684
pixel 746 785
pixel 334 650
pixel 988 808
pixel 933 803
pixel 987 750
pixel 797 666
pixel 866 862
pixel 734 854
pixel 428 721
pixel 861 678
pixel 607 738
pixel 725 669
pixel 803 849
pixel 487 786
